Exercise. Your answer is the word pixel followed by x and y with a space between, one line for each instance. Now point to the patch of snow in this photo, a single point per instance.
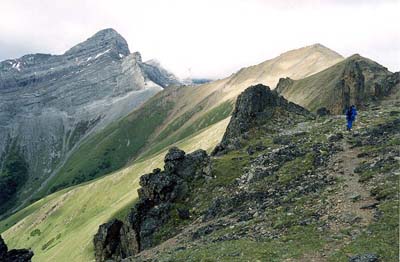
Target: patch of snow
pixel 88 58
pixel 121 55
pixel 17 66
pixel 102 53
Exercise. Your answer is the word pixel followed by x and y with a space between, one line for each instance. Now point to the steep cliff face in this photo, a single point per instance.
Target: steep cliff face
pixel 49 103
pixel 356 80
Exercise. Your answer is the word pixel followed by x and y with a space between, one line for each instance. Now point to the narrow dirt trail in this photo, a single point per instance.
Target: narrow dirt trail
pixel 352 195
pixel 346 202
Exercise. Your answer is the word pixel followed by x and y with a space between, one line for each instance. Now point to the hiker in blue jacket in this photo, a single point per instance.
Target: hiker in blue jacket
pixel 351 113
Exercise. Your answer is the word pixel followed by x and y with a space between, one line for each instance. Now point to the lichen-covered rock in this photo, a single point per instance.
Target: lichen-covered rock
pixel 255 107
pixel 323 111
pixel 14 255
pixel 159 189
pixel 364 258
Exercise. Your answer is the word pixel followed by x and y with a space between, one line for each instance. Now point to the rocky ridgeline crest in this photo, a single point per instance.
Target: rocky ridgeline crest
pixel 102 40
pixel 255 107
pixel 117 240
pixel 14 255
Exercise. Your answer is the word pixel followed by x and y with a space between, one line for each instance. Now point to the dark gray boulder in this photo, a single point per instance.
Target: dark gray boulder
pixel 364 258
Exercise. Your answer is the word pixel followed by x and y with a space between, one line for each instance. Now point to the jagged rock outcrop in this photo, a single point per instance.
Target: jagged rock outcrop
pixel 14 255
pixel 50 103
pixel 107 240
pixel 117 240
pixel 255 107
pixel 354 81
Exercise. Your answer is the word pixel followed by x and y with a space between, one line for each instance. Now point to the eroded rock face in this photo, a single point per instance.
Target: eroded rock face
pixel 255 107
pixel 14 255
pixel 362 81
pixel 159 189
pixel 49 103
pixel 352 86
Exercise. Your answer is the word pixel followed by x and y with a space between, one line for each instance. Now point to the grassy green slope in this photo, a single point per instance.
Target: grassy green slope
pixel 111 148
pixel 182 127
pixel 60 227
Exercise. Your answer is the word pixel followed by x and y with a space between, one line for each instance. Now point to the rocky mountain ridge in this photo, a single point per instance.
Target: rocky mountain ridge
pixel 293 187
pixel 49 103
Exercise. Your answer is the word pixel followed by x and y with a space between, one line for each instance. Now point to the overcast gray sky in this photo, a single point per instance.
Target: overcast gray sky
pixel 206 38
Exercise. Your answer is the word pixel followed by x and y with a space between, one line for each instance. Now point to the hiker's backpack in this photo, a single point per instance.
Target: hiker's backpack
pixel 349 113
